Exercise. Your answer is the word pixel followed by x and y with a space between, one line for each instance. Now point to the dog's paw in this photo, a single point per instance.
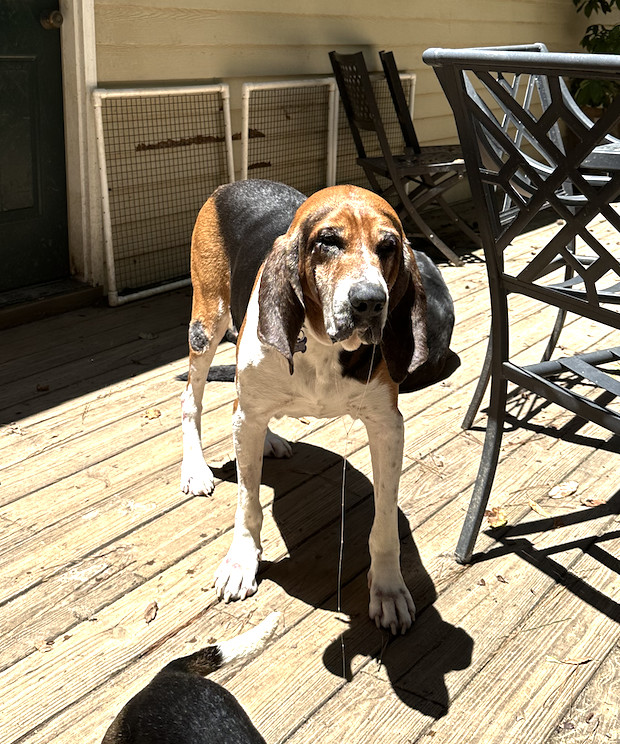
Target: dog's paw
pixel 275 446
pixel 197 478
pixel 236 576
pixel 391 605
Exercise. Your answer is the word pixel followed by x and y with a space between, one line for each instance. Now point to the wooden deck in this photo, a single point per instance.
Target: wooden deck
pixel 521 646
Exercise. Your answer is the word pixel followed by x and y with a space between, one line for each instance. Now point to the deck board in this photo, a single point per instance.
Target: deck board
pixel 93 528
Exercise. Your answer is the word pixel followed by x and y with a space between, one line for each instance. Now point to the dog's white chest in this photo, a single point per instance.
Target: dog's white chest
pixel 316 388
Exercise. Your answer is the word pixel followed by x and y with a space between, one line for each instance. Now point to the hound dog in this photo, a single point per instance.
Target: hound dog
pixel 336 318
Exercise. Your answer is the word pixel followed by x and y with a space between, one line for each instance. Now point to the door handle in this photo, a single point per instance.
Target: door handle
pixel 51 19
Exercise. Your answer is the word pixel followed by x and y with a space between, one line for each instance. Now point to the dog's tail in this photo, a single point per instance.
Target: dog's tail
pixel 213 657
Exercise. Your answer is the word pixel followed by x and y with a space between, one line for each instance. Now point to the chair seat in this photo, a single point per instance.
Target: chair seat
pixel 432 159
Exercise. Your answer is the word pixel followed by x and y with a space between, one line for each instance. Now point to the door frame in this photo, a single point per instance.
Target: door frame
pixel 79 69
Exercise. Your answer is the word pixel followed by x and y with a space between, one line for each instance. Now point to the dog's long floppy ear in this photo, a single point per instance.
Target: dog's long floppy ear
pixel 281 307
pixel 404 337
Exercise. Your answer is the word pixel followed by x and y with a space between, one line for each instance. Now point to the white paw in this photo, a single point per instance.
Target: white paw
pixel 236 576
pixel 196 477
pixel 275 446
pixel 391 605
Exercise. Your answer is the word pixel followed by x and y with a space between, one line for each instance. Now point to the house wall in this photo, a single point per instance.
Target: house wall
pixel 239 40
pixel 170 42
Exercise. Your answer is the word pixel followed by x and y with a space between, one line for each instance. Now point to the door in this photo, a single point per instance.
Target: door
pixel 33 200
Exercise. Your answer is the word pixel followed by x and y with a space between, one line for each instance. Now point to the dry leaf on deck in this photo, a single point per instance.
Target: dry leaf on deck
pixel 496 517
pixel 152 413
pixel 538 508
pixel 593 502
pixel 501 579
pixel 571 662
pixel 567 488
pixel 151 612
pixel 44 646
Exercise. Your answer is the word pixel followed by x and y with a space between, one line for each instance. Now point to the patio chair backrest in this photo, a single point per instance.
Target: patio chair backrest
pixel 477 83
pixel 358 100
pixel 400 102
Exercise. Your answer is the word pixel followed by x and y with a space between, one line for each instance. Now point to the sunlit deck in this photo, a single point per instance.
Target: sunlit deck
pixel 520 646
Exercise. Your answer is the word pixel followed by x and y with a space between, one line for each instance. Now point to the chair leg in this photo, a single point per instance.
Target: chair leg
pixel 485 372
pixel 483 382
pixel 459 222
pixel 427 232
pixel 373 181
pixel 561 316
pixel 486 472
pixel 555 335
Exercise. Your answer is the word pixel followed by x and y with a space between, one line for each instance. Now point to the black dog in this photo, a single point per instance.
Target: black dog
pixel 179 706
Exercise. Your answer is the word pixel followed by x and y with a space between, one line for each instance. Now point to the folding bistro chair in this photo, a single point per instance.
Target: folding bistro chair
pixel 412 145
pixel 417 178
pixel 573 272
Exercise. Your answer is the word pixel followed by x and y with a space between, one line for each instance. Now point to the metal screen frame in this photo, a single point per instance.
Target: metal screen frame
pixel 336 156
pixel 290 85
pixel 100 96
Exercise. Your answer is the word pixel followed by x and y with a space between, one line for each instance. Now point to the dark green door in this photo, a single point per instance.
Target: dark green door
pixel 33 200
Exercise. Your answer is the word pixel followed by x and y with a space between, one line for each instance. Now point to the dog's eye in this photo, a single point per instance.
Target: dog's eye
pixel 329 241
pixel 386 246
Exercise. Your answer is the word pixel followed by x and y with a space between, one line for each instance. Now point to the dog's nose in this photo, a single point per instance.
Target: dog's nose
pixel 367 299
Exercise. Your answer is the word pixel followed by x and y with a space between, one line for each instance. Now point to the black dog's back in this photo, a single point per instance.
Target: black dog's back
pixel 252 214
pixel 179 706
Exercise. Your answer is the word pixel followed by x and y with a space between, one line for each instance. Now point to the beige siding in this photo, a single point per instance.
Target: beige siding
pixel 146 42
pixel 238 40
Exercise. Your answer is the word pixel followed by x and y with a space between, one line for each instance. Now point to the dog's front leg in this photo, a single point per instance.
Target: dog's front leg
pixel 236 576
pixel 391 605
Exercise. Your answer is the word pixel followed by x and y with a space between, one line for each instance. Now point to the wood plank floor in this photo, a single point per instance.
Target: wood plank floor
pixel 521 646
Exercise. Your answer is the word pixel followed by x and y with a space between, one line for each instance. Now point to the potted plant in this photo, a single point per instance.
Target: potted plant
pixel 595 95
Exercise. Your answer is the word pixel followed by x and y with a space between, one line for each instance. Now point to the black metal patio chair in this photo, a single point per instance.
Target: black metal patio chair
pixel 534 94
pixel 416 178
pixel 574 271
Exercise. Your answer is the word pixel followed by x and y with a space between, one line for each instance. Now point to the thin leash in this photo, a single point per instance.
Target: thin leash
pixel 345 454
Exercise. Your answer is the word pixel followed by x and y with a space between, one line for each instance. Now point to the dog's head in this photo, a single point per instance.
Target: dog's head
pixel 345 266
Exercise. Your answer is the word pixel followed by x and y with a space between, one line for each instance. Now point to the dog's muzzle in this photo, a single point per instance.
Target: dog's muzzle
pixel 368 301
pixel 358 310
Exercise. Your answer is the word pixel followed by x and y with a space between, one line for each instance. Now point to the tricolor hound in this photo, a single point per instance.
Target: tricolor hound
pixel 332 276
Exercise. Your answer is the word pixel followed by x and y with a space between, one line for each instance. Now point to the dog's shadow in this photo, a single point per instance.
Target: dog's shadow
pixel 306 508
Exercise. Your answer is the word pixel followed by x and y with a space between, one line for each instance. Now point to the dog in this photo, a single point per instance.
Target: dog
pixel 179 706
pixel 333 315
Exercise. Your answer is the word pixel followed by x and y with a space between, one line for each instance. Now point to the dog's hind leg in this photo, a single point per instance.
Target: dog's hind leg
pixel 276 446
pixel 196 476
pixel 210 321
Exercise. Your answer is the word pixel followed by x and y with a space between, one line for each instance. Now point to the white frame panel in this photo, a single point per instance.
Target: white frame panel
pixel 99 95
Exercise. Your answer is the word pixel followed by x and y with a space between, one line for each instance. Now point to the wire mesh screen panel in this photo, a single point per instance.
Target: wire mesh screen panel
pixel 287 132
pixel 162 152
pixel 347 169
